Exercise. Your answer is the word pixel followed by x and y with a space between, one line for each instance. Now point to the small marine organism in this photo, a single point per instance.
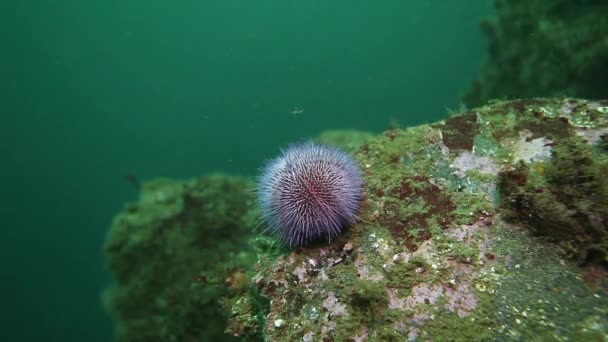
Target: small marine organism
pixel 309 192
pixel 296 110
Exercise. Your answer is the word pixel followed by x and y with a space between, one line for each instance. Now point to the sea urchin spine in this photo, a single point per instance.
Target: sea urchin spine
pixel 309 192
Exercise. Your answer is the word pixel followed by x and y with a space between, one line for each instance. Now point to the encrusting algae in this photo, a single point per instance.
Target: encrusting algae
pixel 488 225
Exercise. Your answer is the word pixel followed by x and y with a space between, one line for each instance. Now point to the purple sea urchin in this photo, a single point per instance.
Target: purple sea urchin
pixel 309 192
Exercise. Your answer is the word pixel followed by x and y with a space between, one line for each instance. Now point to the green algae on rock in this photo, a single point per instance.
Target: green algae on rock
pixel 564 198
pixel 443 249
pixel 348 140
pixel 174 254
pixel 489 225
pixel 544 48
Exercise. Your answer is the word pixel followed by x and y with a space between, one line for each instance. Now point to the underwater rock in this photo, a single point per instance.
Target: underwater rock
pixel 174 254
pixel 489 225
pixel 348 139
pixel 544 48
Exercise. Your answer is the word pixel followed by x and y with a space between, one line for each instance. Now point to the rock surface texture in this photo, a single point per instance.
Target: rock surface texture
pixel 544 48
pixel 489 225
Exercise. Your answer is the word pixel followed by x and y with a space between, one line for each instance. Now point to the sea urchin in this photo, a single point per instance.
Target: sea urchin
pixel 309 192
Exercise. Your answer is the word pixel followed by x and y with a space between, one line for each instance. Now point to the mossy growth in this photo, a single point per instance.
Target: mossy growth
pixel 564 199
pixel 451 327
pixel 369 297
pixel 543 48
pixel 405 276
pixel 174 254
pixel 348 140
pixel 400 168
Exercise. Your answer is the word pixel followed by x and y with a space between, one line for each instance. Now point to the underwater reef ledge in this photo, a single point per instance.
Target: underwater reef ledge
pixel 489 225
pixel 543 48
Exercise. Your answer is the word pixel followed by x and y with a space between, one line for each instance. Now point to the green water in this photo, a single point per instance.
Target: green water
pixel 92 91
